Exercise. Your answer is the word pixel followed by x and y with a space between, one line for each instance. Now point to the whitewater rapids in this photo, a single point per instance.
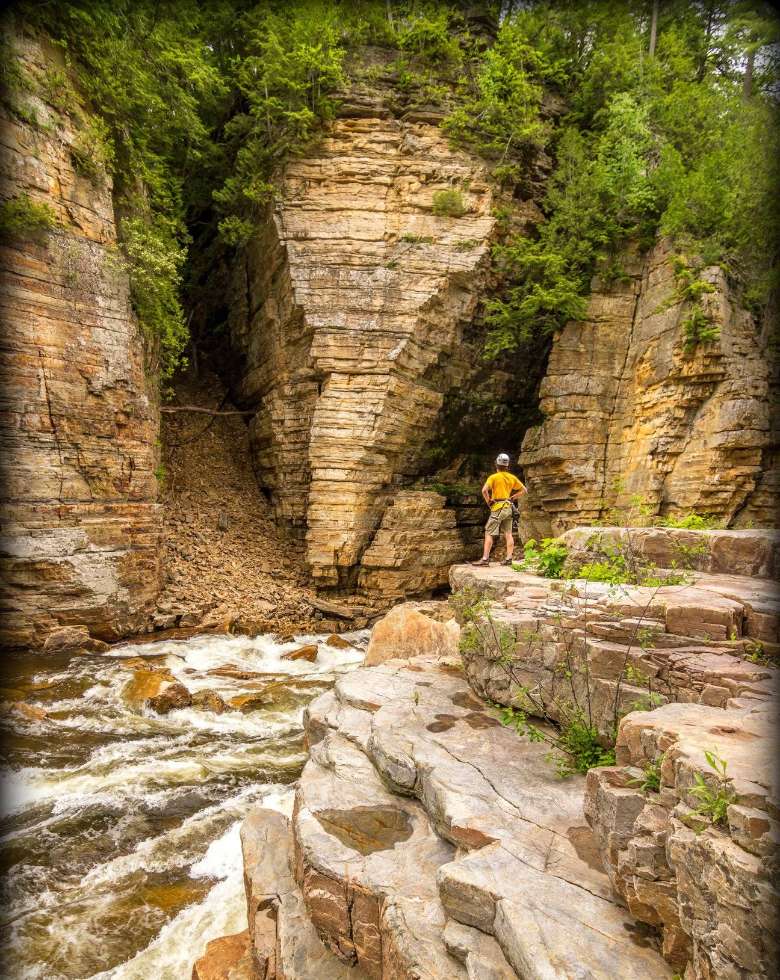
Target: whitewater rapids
pixel 119 829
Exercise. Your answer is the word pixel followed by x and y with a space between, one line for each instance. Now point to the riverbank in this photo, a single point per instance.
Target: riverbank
pixel 429 839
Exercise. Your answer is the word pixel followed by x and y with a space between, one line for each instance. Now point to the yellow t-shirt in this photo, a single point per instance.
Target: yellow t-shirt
pixel 500 485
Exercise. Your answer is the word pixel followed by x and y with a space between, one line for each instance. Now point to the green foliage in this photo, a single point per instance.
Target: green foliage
pixel 23 218
pixel 547 557
pixel 755 653
pixel 651 776
pixel 154 261
pixel 291 63
pixel 449 204
pixel 690 522
pixel 92 151
pixel 576 748
pixel 714 795
pixel 429 34
pixel 681 144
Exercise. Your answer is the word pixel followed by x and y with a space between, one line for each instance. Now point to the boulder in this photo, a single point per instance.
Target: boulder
pixel 405 632
pixel 338 642
pixel 209 701
pixel 171 698
pixel 227 958
pixel 146 683
pixel 308 653
pixel 73 639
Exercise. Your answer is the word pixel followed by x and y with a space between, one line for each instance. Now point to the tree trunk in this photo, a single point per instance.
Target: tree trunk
pixel 653 28
pixel 747 81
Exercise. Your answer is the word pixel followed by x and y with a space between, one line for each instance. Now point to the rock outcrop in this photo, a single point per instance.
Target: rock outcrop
pixel 80 421
pixel 635 423
pixel 685 822
pixel 349 314
pixel 428 841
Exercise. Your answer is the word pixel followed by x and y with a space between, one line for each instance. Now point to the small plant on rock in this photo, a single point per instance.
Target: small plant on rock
pixel 449 204
pixel 714 801
pixel 651 776
pixel 23 218
pixel 547 557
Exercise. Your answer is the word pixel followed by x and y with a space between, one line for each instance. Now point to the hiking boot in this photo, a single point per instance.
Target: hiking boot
pixel 482 562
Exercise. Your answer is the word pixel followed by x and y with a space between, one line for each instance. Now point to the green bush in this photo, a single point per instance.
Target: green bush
pixel 92 151
pixel 449 204
pixel 690 522
pixel 23 218
pixel 714 800
pixel 547 557
pixel 153 262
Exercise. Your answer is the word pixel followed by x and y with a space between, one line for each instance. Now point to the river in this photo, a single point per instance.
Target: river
pixel 119 834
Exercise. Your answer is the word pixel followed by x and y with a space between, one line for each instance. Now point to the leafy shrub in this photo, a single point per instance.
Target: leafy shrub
pixel 690 522
pixel 429 35
pixel 23 218
pixel 153 262
pixel 651 776
pixel 548 557
pixel 714 801
pixel 92 151
pixel 449 204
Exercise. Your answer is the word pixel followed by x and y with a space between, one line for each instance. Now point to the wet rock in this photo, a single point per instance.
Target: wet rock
pixel 147 683
pixel 171 698
pixel 73 639
pixel 308 653
pixel 227 958
pixel 209 701
pixel 31 712
pixel 405 632
pixel 338 642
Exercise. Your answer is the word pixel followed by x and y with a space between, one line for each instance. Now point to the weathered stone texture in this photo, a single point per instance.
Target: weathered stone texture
pixel 630 414
pixel 349 315
pixel 80 421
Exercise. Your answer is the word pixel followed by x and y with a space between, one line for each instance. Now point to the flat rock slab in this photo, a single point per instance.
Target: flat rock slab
pixel 522 848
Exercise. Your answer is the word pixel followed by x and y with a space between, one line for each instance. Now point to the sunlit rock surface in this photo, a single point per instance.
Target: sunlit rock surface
pixel 630 415
pixel 80 422
pixel 349 313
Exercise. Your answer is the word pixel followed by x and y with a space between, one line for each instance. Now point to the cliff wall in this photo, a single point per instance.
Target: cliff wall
pixel 349 311
pixel 635 422
pixel 79 417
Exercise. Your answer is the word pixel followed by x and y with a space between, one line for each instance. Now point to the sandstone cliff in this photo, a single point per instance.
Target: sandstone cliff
pixel 349 313
pixel 80 421
pixel 632 417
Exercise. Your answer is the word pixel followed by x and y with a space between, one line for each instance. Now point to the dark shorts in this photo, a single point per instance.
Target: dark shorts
pixel 500 521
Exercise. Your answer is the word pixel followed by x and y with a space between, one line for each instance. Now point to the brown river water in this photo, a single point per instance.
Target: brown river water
pixel 119 828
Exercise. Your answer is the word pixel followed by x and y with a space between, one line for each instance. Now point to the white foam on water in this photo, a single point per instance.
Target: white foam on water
pixel 171 954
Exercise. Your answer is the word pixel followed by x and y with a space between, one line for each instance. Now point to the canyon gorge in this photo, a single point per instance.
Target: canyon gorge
pixel 234 531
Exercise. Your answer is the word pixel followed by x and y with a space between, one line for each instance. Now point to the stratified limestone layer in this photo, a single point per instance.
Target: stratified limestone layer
pixel 610 648
pixel 631 415
pixel 81 523
pixel 686 822
pixel 349 313
pixel 433 843
pixel 711 887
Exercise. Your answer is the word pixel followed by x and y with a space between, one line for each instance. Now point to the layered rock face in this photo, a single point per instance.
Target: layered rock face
pixel 349 315
pixel 81 523
pixel 634 422
pixel 686 821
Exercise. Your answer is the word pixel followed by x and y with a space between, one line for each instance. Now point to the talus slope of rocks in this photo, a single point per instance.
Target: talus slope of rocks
pixel 80 420
pixel 630 414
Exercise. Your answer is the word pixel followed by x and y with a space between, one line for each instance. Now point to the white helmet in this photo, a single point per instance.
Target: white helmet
pixel 502 459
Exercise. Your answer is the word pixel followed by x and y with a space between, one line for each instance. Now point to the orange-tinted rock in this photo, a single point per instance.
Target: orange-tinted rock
pixel 227 958
pixel 404 632
pixel 170 698
pixel 308 653
pixel 80 419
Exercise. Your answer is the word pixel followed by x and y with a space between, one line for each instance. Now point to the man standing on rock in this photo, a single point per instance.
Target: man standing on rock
pixel 500 491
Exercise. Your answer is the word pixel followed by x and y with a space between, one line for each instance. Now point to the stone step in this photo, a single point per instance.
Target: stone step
pixel 285 943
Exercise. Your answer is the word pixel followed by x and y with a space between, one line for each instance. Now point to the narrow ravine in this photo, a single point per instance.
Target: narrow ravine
pixel 120 826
